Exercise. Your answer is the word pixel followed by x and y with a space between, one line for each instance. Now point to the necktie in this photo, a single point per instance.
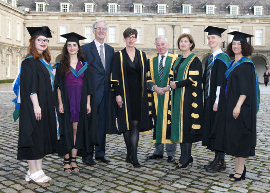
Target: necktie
pixel 160 68
pixel 102 56
pixel 208 76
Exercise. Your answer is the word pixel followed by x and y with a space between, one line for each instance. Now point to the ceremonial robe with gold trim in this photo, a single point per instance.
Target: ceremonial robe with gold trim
pixel 159 105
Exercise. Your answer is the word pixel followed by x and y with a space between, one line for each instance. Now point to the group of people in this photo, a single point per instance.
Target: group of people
pixel 95 91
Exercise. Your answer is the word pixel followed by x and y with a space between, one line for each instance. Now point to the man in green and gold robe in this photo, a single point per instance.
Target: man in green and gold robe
pixel 159 67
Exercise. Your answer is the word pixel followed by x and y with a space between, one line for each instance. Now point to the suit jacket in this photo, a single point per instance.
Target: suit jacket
pixel 101 76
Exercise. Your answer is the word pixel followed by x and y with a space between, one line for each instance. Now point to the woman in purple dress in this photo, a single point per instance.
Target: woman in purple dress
pixel 76 106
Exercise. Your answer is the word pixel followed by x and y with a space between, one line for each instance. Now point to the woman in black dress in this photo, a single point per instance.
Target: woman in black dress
pixel 239 134
pixel 37 126
pixel 187 107
pixel 129 84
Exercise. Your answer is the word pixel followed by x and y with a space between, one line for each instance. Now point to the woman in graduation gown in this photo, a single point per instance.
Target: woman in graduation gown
pixel 187 106
pixel 37 126
pixel 129 85
pixel 75 102
pixel 238 136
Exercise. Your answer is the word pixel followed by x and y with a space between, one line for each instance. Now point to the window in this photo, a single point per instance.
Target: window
pixel 234 9
pixel 186 30
pixel 112 7
pixel 258 10
pixel 161 31
pixel 40 7
pixel 186 9
pixel 64 7
pixel 88 34
pixel 231 37
pixel 138 35
pixel 161 8
pixel 14 3
pixel 8 65
pixel 210 9
pixel 89 7
pixel 18 64
pixel 18 32
pixel 63 30
pixel 137 8
pixel 8 28
pixel 112 34
pixel 258 37
pixel 5 1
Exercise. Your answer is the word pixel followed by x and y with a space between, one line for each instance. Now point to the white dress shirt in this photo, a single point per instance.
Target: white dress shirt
pixel 98 47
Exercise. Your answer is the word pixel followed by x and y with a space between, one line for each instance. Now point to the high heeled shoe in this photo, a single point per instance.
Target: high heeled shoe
pixel 34 177
pixel 190 161
pixel 67 162
pixel 242 176
pixel 27 176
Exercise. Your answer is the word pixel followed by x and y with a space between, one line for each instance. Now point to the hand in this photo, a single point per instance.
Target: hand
pixel 236 112
pixel 119 101
pixel 37 111
pixel 172 84
pixel 215 107
pixel 166 89
pixel 158 90
pixel 88 108
pixel 61 108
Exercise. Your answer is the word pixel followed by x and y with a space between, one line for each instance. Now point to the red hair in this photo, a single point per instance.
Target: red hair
pixel 33 51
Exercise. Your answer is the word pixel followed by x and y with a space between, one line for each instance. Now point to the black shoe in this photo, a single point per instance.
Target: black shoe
pixel 242 176
pixel 89 161
pixel 103 159
pixel 220 165
pixel 170 159
pixel 211 164
pixel 176 162
pixel 190 161
pixel 154 156
pixel 128 159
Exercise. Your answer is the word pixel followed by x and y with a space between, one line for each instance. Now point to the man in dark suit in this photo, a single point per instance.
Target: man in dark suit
pixel 99 56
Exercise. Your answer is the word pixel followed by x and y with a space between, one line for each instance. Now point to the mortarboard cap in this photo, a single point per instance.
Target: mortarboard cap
pixel 240 36
pixel 73 37
pixel 214 30
pixel 43 31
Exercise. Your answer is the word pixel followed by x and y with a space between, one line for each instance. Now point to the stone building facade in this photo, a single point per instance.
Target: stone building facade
pixel 161 17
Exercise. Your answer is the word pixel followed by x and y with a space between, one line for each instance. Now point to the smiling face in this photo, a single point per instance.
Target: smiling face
pixel 130 41
pixel 184 44
pixel 72 48
pixel 41 44
pixel 161 46
pixel 100 32
pixel 214 41
pixel 236 47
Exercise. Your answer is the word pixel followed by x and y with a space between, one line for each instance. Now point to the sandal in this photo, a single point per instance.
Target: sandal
pixel 42 173
pixel 67 161
pixel 27 176
pixel 35 175
pixel 73 160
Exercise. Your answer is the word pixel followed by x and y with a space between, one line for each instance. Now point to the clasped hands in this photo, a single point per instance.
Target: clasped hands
pixel 161 91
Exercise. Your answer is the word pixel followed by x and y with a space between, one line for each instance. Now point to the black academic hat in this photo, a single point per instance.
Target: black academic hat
pixel 240 36
pixel 214 30
pixel 73 37
pixel 43 31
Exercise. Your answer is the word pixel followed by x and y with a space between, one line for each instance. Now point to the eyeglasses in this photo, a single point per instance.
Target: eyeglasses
pixel 131 38
pixel 41 40
pixel 99 29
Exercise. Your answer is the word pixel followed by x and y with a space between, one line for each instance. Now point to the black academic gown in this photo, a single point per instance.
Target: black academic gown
pixel 237 137
pixel 193 95
pixel 119 78
pixel 36 138
pixel 87 129
pixel 211 123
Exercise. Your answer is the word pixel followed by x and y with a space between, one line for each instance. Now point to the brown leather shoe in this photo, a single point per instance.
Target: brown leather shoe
pixel 209 165
pixel 219 166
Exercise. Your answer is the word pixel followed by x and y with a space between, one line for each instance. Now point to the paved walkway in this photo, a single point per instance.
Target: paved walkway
pixel 118 176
